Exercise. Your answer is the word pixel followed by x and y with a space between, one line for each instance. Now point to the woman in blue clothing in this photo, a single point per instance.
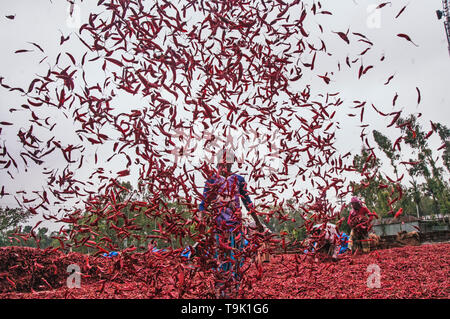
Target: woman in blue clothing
pixel 221 199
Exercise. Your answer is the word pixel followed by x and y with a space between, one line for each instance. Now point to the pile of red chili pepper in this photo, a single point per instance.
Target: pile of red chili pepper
pixel 405 272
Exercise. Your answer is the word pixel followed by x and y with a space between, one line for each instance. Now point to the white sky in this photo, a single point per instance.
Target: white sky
pixel 426 66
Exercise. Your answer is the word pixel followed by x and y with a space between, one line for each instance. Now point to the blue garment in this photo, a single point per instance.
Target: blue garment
pixel 344 243
pixel 157 250
pixel 235 241
pixel 186 253
pixel 224 195
pixel 343 239
pixel 110 254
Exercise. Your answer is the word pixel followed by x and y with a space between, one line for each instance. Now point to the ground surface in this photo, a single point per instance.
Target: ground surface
pixel 405 272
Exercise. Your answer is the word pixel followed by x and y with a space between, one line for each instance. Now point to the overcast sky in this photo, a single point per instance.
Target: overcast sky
pixel 426 66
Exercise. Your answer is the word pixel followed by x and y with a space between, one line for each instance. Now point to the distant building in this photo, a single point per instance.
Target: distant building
pixel 433 223
pixel 392 226
pixel 427 224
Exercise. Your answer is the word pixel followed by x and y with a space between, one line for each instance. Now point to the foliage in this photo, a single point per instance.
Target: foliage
pixel 428 192
pixel 10 219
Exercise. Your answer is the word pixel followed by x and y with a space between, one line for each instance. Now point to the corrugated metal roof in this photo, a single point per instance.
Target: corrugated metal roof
pixel 392 220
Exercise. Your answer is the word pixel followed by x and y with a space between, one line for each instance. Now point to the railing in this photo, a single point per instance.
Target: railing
pixel 435 217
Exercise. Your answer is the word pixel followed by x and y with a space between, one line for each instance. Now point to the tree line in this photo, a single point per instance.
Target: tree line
pixel 426 193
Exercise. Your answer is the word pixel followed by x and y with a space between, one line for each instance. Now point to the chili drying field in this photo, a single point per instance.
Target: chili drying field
pixel 405 272
pixel 115 114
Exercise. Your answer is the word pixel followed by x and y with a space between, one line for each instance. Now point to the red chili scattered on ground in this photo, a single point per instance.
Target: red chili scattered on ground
pixel 406 272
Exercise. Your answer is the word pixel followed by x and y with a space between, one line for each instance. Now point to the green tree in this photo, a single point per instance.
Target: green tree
pixel 426 167
pixel 385 145
pixel 125 223
pixel 444 134
pixel 411 198
pixel 10 219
